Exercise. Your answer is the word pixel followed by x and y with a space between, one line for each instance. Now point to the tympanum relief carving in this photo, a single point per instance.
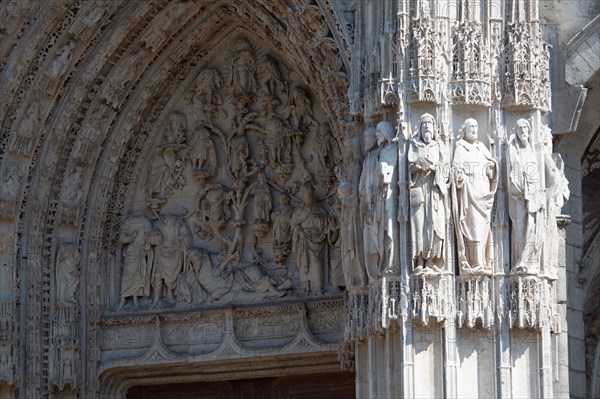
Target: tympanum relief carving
pixel 236 197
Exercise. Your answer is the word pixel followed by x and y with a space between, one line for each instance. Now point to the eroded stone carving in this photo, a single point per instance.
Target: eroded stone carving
pixel 475 182
pixel 91 134
pixel 170 17
pixel 428 183
pixel 67 274
pixel 72 195
pixel 171 241
pixel 252 149
pixel 203 155
pixel 62 60
pixel 123 77
pixel 309 228
pixel 138 259
pixel 9 192
pixel 22 142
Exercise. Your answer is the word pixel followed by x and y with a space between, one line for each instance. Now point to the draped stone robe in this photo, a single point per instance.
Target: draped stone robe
pixel 472 201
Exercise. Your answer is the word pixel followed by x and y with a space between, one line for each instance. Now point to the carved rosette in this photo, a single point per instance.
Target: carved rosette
pixel 526 70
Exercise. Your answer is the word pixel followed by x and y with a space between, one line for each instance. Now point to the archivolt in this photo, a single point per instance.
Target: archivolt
pixel 99 50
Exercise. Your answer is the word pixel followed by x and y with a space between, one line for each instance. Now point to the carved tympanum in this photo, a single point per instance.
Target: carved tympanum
pixel 238 208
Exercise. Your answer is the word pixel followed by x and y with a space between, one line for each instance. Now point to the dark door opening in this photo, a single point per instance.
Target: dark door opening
pixel 311 386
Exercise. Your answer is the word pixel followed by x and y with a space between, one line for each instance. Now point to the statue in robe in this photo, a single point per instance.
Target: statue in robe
pixel 386 196
pixel 428 183
pixel 171 239
pixel 137 259
pixel 526 201
pixel 475 182
pixel 67 274
pixel 309 231
pixel 367 190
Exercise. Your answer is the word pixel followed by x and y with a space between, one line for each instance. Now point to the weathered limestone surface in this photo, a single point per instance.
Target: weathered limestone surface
pixel 227 189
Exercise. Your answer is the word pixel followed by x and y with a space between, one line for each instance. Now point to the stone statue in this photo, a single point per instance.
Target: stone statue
pixel 62 60
pixel 428 184
pixel 474 184
pixel 138 258
pixel 351 236
pixel 203 155
pixel 243 72
pixel 67 274
pixel 212 207
pixel 176 129
pixel 526 201
pixel 309 231
pixel 73 187
pixel 26 130
pixel 208 85
pixel 171 240
pixel 557 192
pixel 367 191
pixel 263 203
pixel 271 78
pixel 336 271
pixel 157 176
pixel 11 183
pixel 386 196
pixel 282 229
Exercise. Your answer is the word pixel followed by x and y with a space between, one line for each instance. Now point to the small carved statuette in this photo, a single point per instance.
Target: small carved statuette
pixel 22 142
pixel 138 258
pixel 67 274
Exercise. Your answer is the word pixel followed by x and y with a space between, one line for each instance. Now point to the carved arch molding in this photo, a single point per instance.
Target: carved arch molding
pixel 99 95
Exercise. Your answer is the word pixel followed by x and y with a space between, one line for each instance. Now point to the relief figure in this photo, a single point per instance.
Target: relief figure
pixel 171 240
pixel 309 230
pixel 67 274
pixel 203 155
pixel 62 60
pixel 138 258
pixel 351 236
